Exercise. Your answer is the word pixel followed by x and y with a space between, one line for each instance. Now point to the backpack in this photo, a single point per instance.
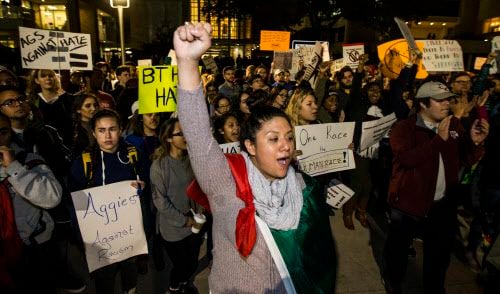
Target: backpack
pixel 87 163
pixel 11 245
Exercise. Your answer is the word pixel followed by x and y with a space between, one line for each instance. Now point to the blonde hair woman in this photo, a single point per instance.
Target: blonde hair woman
pixel 302 108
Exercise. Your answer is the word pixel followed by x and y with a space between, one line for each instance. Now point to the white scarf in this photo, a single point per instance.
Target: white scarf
pixel 279 202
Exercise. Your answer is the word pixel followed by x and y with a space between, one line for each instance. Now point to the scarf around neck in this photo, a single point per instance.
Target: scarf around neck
pixel 279 202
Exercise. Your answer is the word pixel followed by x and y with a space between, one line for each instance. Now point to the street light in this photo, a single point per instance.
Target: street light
pixel 120 4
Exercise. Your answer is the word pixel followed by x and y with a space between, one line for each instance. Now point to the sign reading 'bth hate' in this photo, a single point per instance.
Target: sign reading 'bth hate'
pixel 157 89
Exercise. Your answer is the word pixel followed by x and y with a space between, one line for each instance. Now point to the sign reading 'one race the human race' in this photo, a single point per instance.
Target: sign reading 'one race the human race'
pixel 45 49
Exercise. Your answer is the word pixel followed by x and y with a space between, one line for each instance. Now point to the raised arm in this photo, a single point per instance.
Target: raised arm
pixel 207 160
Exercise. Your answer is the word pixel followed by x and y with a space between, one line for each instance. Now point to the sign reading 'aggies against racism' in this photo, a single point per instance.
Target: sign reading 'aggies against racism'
pixel 44 49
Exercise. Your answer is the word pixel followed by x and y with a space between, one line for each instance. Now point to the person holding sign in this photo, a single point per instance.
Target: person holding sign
pixel 271 227
pixel 110 161
pixel 302 108
pixel 171 174
pixel 429 148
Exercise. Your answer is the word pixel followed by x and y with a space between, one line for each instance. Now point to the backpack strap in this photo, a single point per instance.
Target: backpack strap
pixel 133 158
pixel 87 166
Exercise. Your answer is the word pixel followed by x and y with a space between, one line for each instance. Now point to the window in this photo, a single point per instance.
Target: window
pixel 491 25
pixel 53 17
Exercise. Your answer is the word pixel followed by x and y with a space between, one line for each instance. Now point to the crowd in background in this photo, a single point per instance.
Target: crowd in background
pixel 49 122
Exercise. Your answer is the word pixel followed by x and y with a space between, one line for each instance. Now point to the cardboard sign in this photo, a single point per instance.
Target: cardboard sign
pixel 144 62
pixel 351 54
pixel 478 62
pixel 44 49
pixel 274 40
pixel 394 55
pixel 338 194
pixel 230 147
pixel 110 222
pixel 297 44
pixel 495 47
pixel 311 67
pixel 442 55
pixel 373 131
pixel 157 89
pixel 405 31
pixel 337 65
pixel 210 64
pixel 283 59
pixel 325 147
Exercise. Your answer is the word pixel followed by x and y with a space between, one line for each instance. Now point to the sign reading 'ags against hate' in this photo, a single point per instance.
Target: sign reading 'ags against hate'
pixel 44 49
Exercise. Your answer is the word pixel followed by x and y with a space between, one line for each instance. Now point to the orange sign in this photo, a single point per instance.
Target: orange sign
pixel 274 40
pixel 394 55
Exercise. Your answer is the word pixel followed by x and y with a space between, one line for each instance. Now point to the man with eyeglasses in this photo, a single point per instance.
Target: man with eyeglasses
pixel 429 150
pixel 38 138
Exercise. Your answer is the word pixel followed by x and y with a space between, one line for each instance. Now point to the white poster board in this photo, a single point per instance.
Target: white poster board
pixel 338 194
pixel 338 64
pixel 324 147
pixel 373 131
pixel 351 54
pixel 442 55
pixel 44 49
pixel 230 147
pixel 110 222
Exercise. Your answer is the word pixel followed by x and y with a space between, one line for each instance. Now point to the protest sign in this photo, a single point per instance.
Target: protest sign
pixel 230 147
pixel 283 59
pixel 495 47
pixel 442 55
pixel 478 62
pixel 373 131
pixel 351 54
pixel 274 40
pixel 394 55
pixel 405 31
pixel 338 194
pixel 311 67
pixel 297 44
pixel 324 147
pixel 44 49
pixel 144 62
pixel 337 64
pixel 157 89
pixel 110 221
pixel 210 64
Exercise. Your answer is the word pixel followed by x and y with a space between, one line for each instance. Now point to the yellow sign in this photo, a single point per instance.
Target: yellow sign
pixel 274 40
pixel 157 89
pixel 394 55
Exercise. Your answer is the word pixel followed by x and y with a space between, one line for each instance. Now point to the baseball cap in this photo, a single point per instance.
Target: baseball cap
pixel 134 108
pixel 435 90
pixel 278 71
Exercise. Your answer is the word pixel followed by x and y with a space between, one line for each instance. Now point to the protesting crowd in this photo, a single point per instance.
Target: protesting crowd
pixel 68 138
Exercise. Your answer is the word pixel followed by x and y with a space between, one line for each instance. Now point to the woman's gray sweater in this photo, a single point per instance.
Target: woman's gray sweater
pixel 231 273
pixel 169 180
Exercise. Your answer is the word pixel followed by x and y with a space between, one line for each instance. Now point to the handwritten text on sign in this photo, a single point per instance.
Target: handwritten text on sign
pixel 442 55
pixel 230 147
pixel 274 40
pixel 373 131
pixel 157 89
pixel 110 222
pixel 44 49
pixel 325 147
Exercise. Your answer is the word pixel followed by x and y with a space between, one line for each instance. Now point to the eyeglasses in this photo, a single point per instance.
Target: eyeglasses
pixel 179 134
pixel 10 102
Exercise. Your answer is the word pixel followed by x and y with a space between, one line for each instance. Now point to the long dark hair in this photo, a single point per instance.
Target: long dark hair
pixel 76 117
pixel 219 123
pixel 166 131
